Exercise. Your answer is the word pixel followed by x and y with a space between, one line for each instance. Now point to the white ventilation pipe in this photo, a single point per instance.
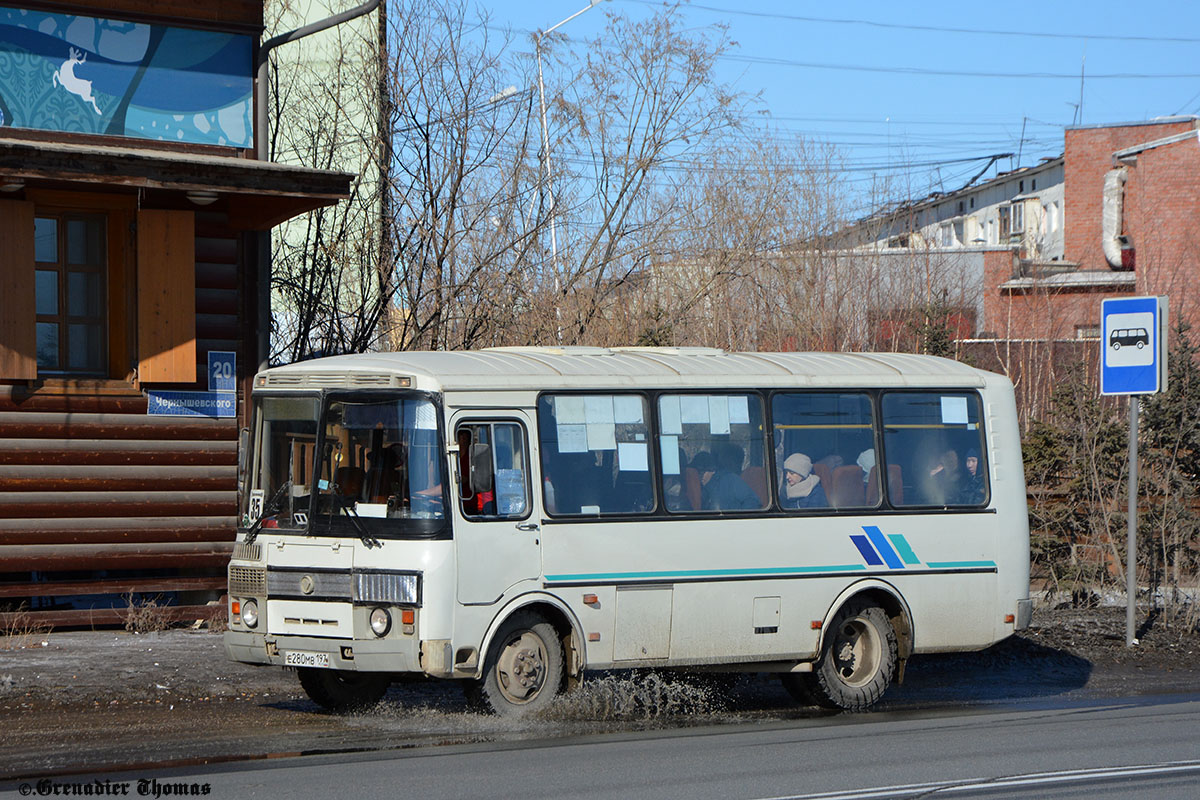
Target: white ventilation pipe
pixel 1110 219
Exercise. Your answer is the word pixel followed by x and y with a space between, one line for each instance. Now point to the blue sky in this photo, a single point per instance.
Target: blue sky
pixel 895 98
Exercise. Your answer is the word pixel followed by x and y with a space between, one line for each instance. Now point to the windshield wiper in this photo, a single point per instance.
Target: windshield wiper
pixel 269 508
pixel 335 492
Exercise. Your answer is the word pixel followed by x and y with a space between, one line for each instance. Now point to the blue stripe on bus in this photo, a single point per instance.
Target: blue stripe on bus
pixel 958 564
pixel 864 546
pixel 903 548
pixel 703 573
pixel 881 544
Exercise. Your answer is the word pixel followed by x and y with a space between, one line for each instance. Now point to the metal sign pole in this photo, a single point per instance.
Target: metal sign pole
pixel 1131 528
pixel 1133 362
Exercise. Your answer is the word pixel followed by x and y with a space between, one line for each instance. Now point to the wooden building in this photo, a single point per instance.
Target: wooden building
pixel 130 206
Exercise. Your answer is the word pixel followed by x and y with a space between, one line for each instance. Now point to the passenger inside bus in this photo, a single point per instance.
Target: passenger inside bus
pixel 972 489
pixel 801 486
pixel 866 462
pixel 721 488
pixel 943 479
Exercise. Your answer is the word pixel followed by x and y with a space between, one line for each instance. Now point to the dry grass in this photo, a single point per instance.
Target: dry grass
pixel 218 622
pixel 147 615
pixel 20 629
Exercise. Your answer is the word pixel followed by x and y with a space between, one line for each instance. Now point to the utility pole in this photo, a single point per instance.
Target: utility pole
pixel 538 37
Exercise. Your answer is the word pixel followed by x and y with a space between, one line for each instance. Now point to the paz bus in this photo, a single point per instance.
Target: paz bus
pixel 512 518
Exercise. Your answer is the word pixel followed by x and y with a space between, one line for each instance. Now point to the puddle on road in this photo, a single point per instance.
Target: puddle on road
pixel 605 703
pixel 624 697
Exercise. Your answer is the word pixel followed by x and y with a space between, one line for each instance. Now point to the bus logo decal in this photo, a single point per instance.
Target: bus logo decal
pixel 877 550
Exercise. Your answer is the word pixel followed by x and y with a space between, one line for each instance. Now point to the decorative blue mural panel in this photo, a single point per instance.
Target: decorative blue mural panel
pixel 61 72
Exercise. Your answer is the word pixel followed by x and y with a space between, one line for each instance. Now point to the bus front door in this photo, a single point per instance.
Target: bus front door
pixel 496 530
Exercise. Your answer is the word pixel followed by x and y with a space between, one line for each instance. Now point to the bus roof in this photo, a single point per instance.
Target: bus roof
pixel 537 368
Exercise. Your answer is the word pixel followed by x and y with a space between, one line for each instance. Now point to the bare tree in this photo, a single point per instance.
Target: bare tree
pixel 645 107
pixel 465 245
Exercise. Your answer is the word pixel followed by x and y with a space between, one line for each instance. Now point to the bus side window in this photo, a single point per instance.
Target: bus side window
pixel 713 453
pixel 595 453
pixel 493 471
pixel 935 441
pixel 824 450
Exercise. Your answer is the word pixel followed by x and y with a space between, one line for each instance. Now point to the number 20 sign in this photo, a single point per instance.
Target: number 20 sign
pixel 222 371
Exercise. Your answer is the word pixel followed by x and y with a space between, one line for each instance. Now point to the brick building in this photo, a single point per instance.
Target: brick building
pixel 1030 252
pixel 1148 245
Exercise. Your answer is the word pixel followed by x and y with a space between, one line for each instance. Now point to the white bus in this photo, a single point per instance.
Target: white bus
pixel 514 517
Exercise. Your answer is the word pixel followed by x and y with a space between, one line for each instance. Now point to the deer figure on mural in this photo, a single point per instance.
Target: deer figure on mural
pixel 65 77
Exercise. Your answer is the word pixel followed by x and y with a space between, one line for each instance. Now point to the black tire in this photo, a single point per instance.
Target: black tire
pixel 523 672
pixel 858 659
pixel 344 690
pixel 1116 345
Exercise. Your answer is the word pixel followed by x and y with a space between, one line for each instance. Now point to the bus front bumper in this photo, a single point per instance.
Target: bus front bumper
pixel 384 655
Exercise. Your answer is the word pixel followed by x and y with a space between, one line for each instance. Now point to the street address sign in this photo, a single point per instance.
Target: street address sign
pixel 1134 348
pixel 222 371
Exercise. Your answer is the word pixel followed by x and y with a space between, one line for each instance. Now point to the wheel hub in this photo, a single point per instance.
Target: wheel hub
pixel 522 668
pixel 856 653
pixel 527 669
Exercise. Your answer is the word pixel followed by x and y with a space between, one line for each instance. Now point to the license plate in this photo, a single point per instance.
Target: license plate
pixel 302 658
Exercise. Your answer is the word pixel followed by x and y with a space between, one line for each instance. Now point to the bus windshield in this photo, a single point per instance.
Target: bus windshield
pixel 380 472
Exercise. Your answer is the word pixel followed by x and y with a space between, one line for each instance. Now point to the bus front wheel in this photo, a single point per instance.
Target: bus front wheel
pixel 344 690
pixel 524 667
pixel 857 661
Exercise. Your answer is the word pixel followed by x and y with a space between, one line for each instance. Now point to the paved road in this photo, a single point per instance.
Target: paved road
pixel 1145 748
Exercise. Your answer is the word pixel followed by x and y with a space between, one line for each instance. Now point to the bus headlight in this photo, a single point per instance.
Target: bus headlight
pixel 381 621
pixel 250 614
pixel 391 588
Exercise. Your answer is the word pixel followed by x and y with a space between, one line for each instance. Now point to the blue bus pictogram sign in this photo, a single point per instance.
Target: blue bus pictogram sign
pixel 1133 345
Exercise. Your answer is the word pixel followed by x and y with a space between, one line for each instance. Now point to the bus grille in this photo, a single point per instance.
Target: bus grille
pixel 247 581
pixel 247 552
pixel 327 380
pixel 311 584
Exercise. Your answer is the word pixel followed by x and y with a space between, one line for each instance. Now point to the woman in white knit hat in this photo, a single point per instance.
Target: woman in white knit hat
pixel 801 486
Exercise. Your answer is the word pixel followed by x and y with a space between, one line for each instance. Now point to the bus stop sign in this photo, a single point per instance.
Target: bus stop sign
pixel 1134 348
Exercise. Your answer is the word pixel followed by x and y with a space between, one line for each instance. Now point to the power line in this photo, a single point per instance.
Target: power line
pixel 783 62
pixel 901 122
pixel 787 62
pixel 934 28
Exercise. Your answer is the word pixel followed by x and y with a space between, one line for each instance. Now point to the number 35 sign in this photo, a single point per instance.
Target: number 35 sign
pixel 222 371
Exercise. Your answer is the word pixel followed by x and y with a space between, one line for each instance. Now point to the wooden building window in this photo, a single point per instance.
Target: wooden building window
pixel 70 294
pixel 93 287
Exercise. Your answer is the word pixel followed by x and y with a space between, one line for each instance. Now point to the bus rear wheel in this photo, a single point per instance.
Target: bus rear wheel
pixel 344 690
pixel 524 668
pixel 858 659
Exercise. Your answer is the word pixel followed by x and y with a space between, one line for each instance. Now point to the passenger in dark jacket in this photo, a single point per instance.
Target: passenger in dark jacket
pixel 722 490
pixel 972 490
